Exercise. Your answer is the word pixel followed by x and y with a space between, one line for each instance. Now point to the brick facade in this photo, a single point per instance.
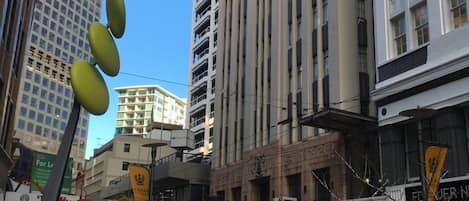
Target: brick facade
pixel 282 161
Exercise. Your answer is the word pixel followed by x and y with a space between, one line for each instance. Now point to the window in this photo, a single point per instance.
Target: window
pixel 45 82
pixel 46 132
pixel 57 112
pixel 27 86
pixel 125 165
pixel 52 85
pixel 42 105
pixel 458 12
pixel 49 108
pixel 315 69
pixel 32 114
pixel 315 17
pixel 37 78
pixel 361 8
pixel 66 103
pixel 62 126
pixel 421 24
pixel 36 27
pixel 362 59
pixel 60 89
pixel 29 74
pixel 326 62
pixel 21 124
pixel 126 147
pixel 40 118
pixel 33 102
pixel 58 100
pixel 399 34
pixel 48 120
pixel 325 14
pixel 64 114
pixel 51 97
pixel 23 111
pixel 30 127
pixel 55 123
pixel 54 135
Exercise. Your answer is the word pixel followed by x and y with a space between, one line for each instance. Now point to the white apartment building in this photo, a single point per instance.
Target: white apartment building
pixel 422 60
pixel 203 59
pixel 57 38
pixel 136 105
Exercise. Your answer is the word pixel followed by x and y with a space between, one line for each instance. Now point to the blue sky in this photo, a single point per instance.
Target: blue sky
pixel 155 44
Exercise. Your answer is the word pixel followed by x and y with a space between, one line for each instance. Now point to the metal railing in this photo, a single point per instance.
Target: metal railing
pixel 202 14
pixel 199 77
pixel 200 55
pixel 198 99
pixel 197 121
pixel 168 158
pixel 201 35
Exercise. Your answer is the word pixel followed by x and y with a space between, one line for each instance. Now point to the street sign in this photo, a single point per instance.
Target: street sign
pixel 42 166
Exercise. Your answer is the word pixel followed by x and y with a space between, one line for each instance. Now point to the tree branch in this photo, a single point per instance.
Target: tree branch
pixel 356 175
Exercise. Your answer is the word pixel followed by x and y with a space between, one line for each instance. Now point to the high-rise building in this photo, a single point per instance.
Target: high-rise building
pixel 201 99
pixel 292 104
pixel 137 104
pixel 15 21
pixel 57 38
pixel 422 60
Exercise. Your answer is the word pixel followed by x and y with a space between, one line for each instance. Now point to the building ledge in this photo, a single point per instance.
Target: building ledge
pixel 339 120
pixel 175 173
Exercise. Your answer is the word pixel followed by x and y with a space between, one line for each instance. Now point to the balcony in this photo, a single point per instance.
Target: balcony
pixel 197 121
pixel 199 77
pixel 200 56
pixel 198 99
pixel 203 8
pixel 199 36
pixel 200 16
pixel 199 3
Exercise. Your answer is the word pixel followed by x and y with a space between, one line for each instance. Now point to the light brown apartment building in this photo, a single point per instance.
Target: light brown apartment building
pixel 292 98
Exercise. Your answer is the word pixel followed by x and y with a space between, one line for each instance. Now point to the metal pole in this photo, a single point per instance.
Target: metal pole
pixel 54 183
pixel 152 165
pixel 422 160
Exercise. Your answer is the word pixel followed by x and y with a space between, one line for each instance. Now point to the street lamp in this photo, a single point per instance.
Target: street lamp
pixel 154 146
pixel 419 114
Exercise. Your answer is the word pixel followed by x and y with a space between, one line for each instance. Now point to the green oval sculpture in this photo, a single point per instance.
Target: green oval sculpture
pixel 116 17
pixel 104 49
pixel 89 87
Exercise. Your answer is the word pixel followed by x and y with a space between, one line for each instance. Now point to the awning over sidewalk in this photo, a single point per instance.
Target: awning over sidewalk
pixel 339 120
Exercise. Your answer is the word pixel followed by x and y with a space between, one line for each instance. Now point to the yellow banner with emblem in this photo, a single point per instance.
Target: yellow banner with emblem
pixel 140 182
pixel 435 157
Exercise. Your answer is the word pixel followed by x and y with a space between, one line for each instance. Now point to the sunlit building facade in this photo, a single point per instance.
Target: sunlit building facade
pixel 57 38
pixel 138 106
pixel 202 70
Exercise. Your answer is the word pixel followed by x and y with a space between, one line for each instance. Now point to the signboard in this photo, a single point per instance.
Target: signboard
pixel 15 196
pixel 448 191
pixel 42 166
pixel 434 162
pixel 140 182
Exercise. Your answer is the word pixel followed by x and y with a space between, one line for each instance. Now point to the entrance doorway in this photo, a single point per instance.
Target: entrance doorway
pixel 262 189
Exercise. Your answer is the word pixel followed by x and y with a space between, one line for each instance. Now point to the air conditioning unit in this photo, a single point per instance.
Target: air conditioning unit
pixel 284 199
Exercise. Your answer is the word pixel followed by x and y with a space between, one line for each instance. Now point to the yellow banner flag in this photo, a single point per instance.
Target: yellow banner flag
pixel 434 162
pixel 140 182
